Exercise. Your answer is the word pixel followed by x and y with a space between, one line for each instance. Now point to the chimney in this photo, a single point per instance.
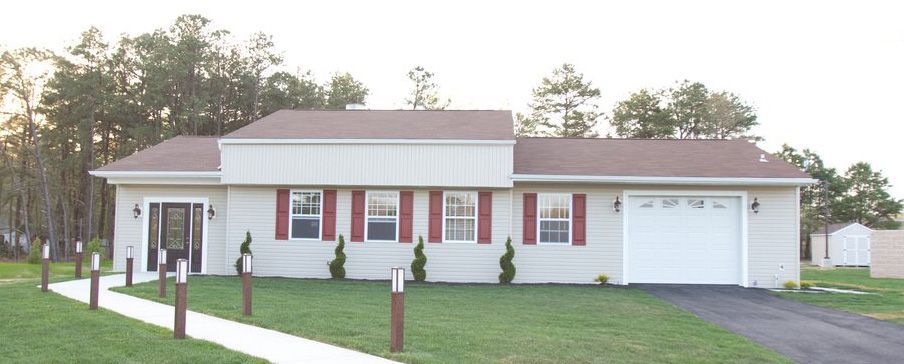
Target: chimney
pixel 355 107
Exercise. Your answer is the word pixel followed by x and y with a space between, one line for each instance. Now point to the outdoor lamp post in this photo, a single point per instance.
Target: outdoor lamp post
pixel 827 260
pixel 45 266
pixel 246 284
pixel 95 280
pixel 129 259
pixel 397 311
pixel 78 259
pixel 181 298
pixel 161 273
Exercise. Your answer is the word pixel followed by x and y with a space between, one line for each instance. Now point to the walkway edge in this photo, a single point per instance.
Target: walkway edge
pixel 264 343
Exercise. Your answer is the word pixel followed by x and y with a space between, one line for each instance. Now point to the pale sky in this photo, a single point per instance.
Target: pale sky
pixel 823 75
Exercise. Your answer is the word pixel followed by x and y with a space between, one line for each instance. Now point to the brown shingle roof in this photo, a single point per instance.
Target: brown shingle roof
pixel 381 124
pixel 179 154
pixel 648 158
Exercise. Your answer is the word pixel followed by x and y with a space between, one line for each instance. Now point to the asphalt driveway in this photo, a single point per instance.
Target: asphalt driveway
pixel 805 333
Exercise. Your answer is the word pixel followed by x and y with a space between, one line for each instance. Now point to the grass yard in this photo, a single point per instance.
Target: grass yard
pixel 15 272
pixel 886 304
pixel 477 323
pixel 40 327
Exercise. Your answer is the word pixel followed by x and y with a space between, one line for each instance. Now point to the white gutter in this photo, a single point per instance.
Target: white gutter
pixel 154 174
pixel 222 141
pixel 721 181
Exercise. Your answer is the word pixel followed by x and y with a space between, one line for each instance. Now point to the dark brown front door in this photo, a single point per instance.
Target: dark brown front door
pixel 175 231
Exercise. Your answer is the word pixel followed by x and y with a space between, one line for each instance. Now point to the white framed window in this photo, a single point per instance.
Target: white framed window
pixel 554 218
pixel 382 216
pixel 305 214
pixel 460 216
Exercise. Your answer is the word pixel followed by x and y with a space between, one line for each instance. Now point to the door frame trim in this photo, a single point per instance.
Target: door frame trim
pixel 626 208
pixel 145 221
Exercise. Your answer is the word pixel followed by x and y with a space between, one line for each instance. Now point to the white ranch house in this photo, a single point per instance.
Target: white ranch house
pixel 640 211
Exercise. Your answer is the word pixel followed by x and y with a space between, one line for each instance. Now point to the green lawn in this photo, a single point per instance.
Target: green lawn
pixel 40 327
pixel 887 302
pixel 13 272
pixel 477 323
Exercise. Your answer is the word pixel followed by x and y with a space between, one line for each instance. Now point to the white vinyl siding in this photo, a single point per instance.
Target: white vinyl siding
pixel 772 236
pixel 459 217
pixel 253 210
pixel 368 165
pixel 129 231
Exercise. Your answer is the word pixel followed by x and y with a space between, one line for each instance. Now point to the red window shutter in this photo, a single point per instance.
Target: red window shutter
pixel 529 233
pixel 358 216
pixel 579 219
pixel 406 215
pixel 329 215
pixel 485 217
pixel 435 228
pixel 282 214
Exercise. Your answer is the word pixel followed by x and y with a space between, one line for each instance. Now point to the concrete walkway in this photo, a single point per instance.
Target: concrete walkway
pixel 806 333
pixel 271 345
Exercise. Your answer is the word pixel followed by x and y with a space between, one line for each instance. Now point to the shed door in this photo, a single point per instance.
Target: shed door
pixel 684 239
pixel 856 251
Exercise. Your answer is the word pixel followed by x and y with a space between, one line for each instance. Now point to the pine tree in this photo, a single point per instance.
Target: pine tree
pixel 245 248
pixel 420 260
pixel 337 265
pixel 508 269
pixel 565 105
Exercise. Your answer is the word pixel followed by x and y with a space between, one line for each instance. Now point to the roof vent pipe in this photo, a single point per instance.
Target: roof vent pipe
pixel 355 107
pixel 763 158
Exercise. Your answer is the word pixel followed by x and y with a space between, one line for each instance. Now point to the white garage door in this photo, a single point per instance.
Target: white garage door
pixel 684 239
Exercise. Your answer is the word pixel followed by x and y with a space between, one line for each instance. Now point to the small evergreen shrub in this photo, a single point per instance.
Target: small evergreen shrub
pixel 245 248
pixel 790 285
pixel 806 284
pixel 34 254
pixel 601 279
pixel 505 262
pixel 420 260
pixel 337 265
pixel 94 245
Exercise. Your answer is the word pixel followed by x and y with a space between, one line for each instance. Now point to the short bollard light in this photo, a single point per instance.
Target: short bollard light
pixel 397 311
pixel 129 259
pixel 95 280
pixel 246 284
pixel 161 273
pixel 181 298
pixel 45 266
pixel 78 259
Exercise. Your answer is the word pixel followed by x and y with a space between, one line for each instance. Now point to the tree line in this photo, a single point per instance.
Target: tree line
pixel 64 114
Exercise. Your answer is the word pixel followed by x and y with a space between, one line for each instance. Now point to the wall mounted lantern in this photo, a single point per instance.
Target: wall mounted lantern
pixel 211 213
pixel 136 212
pixel 616 205
pixel 755 206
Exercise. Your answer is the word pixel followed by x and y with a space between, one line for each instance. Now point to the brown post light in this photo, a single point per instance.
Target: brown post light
pixel 181 298
pixel 129 259
pixel 45 266
pixel 95 280
pixel 78 259
pixel 161 273
pixel 397 311
pixel 246 284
